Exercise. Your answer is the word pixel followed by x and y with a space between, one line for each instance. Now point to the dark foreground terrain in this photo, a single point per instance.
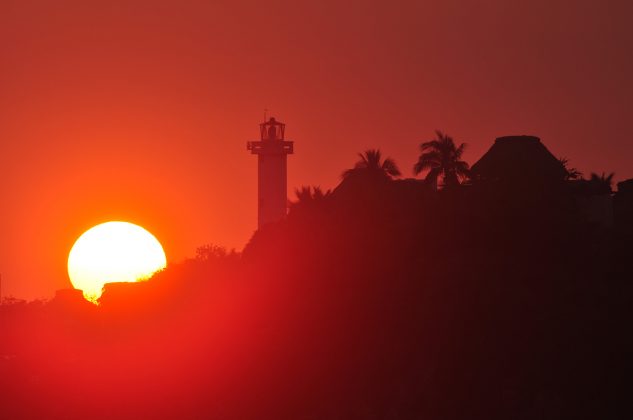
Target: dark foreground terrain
pixel 381 300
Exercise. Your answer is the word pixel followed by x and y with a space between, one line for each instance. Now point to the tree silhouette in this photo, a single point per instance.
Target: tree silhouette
pixel 209 252
pixel 307 196
pixel 443 159
pixel 601 184
pixel 371 162
pixel 572 173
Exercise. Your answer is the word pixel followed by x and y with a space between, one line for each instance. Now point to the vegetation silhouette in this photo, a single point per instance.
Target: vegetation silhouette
pixel 371 163
pixel 381 299
pixel 601 184
pixel 442 158
pixel 572 173
pixel 307 197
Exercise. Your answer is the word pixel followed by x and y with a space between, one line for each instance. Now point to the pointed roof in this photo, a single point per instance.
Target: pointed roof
pixel 518 158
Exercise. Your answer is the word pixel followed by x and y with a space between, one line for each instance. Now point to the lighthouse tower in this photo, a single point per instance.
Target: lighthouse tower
pixel 272 185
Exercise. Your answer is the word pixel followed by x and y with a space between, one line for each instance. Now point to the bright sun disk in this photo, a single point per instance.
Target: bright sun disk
pixel 113 252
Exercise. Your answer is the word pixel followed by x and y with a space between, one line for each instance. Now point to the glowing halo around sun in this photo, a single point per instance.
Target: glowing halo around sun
pixel 113 252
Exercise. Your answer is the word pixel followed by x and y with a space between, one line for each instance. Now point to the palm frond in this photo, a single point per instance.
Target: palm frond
pixel 348 172
pixel 430 145
pixel 433 175
pixel 460 151
pixel 390 167
pixel 423 164
pixel 371 160
pixel 462 168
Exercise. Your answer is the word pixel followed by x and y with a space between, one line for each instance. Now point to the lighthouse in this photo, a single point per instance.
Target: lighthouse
pixel 271 150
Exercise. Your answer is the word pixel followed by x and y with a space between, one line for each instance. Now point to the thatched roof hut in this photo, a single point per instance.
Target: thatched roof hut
pixel 517 159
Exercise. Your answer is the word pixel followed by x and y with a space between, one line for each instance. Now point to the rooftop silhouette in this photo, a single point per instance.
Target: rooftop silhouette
pixel 514 158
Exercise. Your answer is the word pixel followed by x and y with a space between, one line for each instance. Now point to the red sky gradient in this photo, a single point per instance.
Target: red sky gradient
pixel 140 110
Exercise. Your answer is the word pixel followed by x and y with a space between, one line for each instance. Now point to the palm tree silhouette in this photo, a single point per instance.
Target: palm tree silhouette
pixel 601 184
pixel 307 196
pixel 443 159
pixel 371 162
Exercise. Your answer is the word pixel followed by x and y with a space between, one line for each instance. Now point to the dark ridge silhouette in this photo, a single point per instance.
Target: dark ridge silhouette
pixel 382 299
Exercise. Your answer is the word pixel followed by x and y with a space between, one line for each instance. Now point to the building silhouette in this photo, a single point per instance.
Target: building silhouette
pixel 271 150
pixel 518 160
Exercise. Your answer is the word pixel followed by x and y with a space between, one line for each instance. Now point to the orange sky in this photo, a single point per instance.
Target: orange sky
pixel 140 110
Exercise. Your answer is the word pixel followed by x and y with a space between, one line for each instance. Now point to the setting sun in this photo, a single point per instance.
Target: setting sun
pixel 113 252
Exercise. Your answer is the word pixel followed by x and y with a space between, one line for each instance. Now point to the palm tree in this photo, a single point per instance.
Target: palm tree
pixel 443 159
pixel 601 184
pixel 371 162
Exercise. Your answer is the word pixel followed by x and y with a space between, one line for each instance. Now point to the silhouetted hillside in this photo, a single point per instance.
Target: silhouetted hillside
pixel 382 299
